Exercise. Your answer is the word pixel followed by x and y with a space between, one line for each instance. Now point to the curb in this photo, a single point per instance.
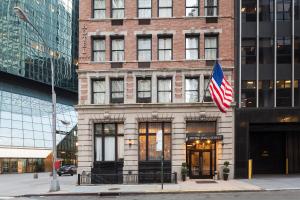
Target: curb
pixel 136 193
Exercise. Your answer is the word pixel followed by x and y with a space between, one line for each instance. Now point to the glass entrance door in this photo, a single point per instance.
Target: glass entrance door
pixel 200 164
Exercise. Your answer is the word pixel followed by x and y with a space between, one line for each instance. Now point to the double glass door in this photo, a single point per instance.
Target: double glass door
pixel 200 164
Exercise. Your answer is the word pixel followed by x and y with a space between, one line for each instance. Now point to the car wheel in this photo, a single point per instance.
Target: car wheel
pixel 71 174
pixel 59 174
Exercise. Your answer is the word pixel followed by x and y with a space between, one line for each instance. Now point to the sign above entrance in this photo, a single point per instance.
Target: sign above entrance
pixel 204 137
pixel 159 140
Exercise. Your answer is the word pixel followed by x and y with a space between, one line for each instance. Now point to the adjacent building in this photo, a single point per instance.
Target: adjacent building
pixel 25 84
pixel 267 87
pixel 144 67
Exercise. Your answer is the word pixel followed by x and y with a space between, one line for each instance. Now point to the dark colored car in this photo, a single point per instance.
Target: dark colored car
pixel 67 169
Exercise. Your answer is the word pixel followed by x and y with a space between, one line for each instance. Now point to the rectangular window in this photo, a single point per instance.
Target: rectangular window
pixel 164 90
pixel 284 50
pixel 117 9
pixel 191 47
pixel 99 9
pixel 207 95
pixel 266 51
pixel 165 8
pixel 144 49
pixel 266 93
pixel 99 49
pixel 248 11
pixel 117 49
pixel 147 140
pixel 192 8
pixel 284 10
pixel 283 93
pixel 144 8
pixel 117 91
pixel 109 142
pixel 143 90
pixel 165 48
pixel 248 93
pixel 266 10
pixel 249 51
pixel 98 90
pixel 211 47
pixel 191 90
pixel 211 8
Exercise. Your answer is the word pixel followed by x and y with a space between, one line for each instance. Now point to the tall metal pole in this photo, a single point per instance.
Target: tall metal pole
pixel 54 182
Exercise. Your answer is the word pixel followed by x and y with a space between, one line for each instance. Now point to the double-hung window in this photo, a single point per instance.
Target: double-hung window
pixel 211 47
pixel 117 90
pixel 98 49
pixel 164 90
pixel 144 90
pixel 207 95
pixel 117 9
pixel 144 48
pixel 211 8
pixel 191 47
pixel 165 47
pixel 117 49
pixel 147 140
pixel 98 91
pixel 192 90
pixel 109 142
pixel 99 9
pixel 144 8
pixel 192 8
pixel 165 8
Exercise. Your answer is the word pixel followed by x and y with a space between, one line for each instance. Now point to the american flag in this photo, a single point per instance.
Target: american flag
pixel 220 89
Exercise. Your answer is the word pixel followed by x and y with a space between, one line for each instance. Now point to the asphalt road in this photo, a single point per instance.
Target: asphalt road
pixel 266 195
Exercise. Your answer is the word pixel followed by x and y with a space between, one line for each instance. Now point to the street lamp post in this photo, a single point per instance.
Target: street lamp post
pixel 54 182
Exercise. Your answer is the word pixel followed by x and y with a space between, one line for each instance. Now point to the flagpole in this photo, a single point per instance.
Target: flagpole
pixel 211 74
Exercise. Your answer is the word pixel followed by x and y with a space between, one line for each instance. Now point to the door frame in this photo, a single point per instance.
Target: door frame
pixel 200 156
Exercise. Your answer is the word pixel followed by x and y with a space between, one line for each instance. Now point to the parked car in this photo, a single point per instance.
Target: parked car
pixel 67 169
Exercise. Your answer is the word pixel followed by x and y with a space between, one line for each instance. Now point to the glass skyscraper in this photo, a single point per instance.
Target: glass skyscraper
pixel 25 82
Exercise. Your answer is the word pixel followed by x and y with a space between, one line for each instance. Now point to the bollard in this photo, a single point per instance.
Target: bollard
pixel 286 166
pixel 78 180
pixel 250 169
pixel 175 177
pixel 35 176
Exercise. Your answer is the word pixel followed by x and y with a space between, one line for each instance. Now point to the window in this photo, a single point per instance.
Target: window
pixel 207 96
pixel 248 93
pixel 211 47
pixel 117 9
pixel 164 90
pixel 248 51
pixel 147 140
pixel 192 8
pixel 191 47
pixel 248 11
pixel 266 10
pixel 99 49
pixel 191 90
pixel 143 90
pixel 117 49
pixel 297 92
pixel 144 8
pixel 109 142
pixel 99 9
pixel 266 93
pixel 165 48
pixel 165 8
pixel 283 93
pixel 284 12
pixel 211 8
pixel 98 91
pixel 297 49
pixel 117 91
pixel 144 48
pixel 284 50
pixel 266 51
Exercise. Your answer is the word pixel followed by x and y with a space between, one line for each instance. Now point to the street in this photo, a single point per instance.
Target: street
pixel 266 195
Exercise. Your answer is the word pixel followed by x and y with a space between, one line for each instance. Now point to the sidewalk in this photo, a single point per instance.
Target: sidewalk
pixel 24 184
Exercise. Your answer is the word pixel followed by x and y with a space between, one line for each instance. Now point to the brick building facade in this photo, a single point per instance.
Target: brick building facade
pixel 144 66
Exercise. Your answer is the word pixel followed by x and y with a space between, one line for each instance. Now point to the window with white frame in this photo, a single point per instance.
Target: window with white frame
pixel 192 8
pixel 165 48
pixel 98 91
pixel 144 90
pixel 99 49
pixel 117 49
pixel 165 8
pixel 192 47
pixel 144 48
pixel 109 142
pixel 211 47
pixel 164 90
pixel 117 9
pixel 191 89
pixel 211 8
pixel 144 8
pixel 117 90
pixel 99 9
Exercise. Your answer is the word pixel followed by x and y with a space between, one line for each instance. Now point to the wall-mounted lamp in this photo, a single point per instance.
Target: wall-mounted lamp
pixel 130 142
pixel 76 144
